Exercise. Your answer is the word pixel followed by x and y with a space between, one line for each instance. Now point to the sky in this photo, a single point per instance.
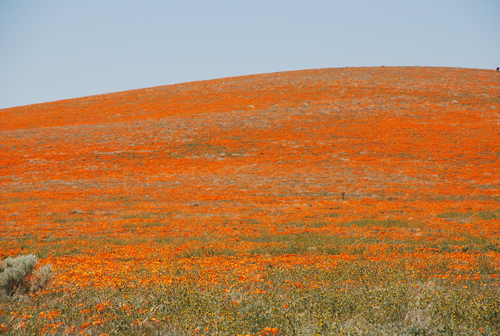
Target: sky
pixel 60 49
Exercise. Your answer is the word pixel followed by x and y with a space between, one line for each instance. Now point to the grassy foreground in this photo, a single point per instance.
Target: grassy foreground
pixel 360 297
pixel 305 284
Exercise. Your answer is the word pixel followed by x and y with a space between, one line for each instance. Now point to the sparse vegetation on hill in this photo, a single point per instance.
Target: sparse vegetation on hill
pixel 356 201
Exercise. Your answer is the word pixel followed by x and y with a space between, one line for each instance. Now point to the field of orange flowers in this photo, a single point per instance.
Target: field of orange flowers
pixel 317 202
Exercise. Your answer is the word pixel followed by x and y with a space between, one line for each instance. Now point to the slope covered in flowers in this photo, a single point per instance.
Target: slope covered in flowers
pixel 224 182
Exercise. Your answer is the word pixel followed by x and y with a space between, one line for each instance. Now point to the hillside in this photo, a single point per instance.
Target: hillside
pixel 373 160
pixel 294 137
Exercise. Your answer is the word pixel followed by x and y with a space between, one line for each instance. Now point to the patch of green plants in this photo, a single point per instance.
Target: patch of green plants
pixel 318 224
pixel 147 215
pixel 250 221
pixel 489 215
pixel 311 242
pixel 207 252
pixel 381 223
pixel 70 218
pixel 469 244
pixel 454 215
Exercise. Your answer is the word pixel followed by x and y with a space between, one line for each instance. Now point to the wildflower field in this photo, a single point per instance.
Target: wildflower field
pixel 347 201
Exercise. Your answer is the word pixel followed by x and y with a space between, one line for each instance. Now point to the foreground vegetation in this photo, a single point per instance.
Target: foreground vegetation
pixel 305 284
pixel 355 298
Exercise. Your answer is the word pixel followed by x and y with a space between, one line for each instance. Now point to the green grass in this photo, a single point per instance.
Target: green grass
pixel 381 223
pixel 485 215
pixel 147 215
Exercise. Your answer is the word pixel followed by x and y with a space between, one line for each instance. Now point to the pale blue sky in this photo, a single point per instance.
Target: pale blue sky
pixel 52 50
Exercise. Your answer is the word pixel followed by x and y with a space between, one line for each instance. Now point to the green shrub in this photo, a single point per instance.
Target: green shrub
pixel 19 275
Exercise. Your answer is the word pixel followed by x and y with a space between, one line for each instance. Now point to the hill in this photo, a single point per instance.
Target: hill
pixel 377 133
pixel 376 169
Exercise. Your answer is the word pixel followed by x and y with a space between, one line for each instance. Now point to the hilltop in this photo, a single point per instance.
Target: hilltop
pixel 323 87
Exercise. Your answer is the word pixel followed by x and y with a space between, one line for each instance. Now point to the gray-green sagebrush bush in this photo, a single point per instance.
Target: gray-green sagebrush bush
pixel 20 275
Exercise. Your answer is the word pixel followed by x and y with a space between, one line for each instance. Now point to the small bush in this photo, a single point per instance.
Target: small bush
pixel 18 275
